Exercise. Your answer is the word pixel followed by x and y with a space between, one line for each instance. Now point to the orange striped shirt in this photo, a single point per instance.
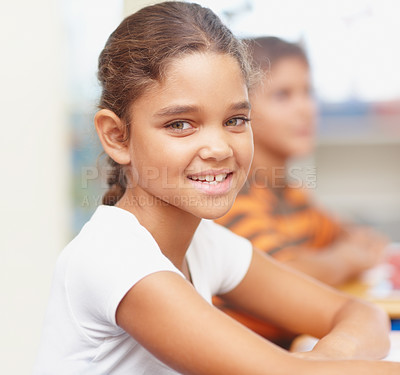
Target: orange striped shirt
pixel 278 222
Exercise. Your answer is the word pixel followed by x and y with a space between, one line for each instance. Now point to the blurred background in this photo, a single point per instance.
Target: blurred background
pixel 52 181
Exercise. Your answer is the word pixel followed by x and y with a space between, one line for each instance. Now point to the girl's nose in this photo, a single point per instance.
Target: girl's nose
pixel 216 146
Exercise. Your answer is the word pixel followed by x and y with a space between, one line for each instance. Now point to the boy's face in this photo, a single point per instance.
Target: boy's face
pixel 283 110
pixel 191 144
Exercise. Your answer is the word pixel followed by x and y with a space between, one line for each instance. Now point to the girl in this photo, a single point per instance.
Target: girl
pixel 280 219
pixel 132 291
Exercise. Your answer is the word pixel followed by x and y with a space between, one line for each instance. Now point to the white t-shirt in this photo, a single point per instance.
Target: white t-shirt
pixel 95 271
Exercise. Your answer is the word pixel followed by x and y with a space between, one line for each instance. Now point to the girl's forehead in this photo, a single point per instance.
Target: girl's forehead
pixel 174 66
pixel 203 70
pixel 204 80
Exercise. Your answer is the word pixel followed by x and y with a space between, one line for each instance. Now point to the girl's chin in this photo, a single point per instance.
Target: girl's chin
pixel 214 213
pixel 212 217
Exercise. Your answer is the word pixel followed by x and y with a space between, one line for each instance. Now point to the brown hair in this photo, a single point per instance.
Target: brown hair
pixel 138 52
pixel 268 50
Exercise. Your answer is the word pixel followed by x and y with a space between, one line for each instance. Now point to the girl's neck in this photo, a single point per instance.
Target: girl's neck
pixel 268 169
pixel 171 227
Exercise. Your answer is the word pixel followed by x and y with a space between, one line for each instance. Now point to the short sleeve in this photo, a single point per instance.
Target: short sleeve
pixel 105 262
pixel 225 256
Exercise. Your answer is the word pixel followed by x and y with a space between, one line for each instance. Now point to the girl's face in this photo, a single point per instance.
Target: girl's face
pixel 283 110
pixel 191 141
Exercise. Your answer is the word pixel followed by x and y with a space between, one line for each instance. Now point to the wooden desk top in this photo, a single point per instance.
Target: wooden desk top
pixel 391 303
pixel 379 285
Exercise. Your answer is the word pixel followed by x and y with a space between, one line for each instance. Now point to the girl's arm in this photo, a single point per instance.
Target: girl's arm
pixel 166 315
pixel 350 328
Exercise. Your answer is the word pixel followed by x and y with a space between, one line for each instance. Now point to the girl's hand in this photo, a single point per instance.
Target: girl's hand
pixel 308 347
pixel 311 355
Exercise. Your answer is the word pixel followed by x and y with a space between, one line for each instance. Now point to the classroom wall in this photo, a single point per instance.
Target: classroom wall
pixel 131 6
pixel 360 181
pixel 34 221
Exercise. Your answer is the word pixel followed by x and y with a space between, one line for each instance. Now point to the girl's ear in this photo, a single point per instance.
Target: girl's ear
pixel 112 133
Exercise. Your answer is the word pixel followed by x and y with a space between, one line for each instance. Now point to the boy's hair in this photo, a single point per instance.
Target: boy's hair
pixel 267 51
pixel 138 52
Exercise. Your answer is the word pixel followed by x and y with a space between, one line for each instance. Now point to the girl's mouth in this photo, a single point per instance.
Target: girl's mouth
pixel 211 179
pixel 212 184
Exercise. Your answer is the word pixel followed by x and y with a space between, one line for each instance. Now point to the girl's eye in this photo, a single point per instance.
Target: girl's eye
pixel 179 126
pixel 237 121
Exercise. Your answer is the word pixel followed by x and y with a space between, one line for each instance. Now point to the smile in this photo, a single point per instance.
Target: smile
pixel 212 184
pixel 210 179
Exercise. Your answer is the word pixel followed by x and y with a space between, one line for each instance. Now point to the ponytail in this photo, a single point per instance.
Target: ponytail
pixel 117 184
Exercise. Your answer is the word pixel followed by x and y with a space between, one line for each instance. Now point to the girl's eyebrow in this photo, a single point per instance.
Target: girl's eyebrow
pixel 179 109
pixel 176 110
pixel 241 105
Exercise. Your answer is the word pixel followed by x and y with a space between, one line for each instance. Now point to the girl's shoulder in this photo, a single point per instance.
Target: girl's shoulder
pixel 111 253
pixel 113 239
pixel 109 228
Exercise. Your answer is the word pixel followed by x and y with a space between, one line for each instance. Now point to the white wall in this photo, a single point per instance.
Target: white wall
pixel 131 6
pixel 361 182
pixel 34 221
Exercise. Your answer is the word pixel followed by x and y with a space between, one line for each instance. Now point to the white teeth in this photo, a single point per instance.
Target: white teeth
pixel 220 177
pixel 210 178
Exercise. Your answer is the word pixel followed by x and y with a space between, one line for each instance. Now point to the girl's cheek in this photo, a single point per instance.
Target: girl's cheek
pixel 246 150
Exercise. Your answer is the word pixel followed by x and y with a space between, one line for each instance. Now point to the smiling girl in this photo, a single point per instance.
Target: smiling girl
pixel 132 292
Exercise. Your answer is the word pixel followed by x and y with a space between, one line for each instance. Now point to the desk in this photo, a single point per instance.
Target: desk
pixel 381 284
pixel 394 354
pixel 389 301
